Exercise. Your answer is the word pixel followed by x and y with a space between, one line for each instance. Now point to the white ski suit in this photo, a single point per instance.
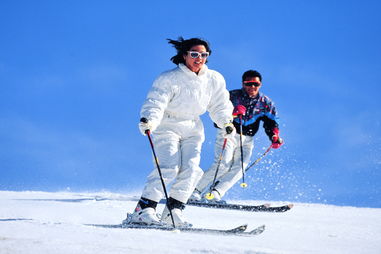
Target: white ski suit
pixel 176 100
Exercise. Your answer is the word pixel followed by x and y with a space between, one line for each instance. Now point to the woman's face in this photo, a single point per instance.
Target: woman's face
pixel 195 64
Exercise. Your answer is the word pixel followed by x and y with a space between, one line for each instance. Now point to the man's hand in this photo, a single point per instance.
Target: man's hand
pixel 239 110
pixel 276 140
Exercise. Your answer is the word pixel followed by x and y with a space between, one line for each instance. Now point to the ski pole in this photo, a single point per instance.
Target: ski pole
pixel 209 195
pixel 144 120
pixel 243 184
pixel 260 158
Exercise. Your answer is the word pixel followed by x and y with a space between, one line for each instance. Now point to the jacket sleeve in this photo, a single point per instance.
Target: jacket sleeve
pixel 220 107
pixel 270 120
pixel 157 100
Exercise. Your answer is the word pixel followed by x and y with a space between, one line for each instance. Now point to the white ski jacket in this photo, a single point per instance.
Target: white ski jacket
pixel 183 94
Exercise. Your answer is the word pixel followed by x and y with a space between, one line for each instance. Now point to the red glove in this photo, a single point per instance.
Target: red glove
pixel 277 141
pixel 239 110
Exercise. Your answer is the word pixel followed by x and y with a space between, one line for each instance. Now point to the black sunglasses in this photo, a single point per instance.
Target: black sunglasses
pixel 251 83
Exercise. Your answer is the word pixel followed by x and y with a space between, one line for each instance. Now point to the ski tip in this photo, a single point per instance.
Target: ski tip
pixel 244 226
pixel 285 208
pixel 241 228
pixel 258 230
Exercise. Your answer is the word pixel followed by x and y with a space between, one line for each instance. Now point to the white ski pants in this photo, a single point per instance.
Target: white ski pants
pixel 230 169
pixel 177 144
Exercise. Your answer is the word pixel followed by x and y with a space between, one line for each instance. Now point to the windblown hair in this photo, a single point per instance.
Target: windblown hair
pixel 183 46
pixel 251 74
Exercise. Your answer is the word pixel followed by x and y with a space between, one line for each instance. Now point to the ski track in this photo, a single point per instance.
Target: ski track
pixel 46 222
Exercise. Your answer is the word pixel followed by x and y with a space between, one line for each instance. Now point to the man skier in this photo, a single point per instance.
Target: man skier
pixel 252 107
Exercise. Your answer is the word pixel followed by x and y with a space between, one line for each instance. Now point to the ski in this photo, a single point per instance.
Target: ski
pixel 239 231
pixel 249 208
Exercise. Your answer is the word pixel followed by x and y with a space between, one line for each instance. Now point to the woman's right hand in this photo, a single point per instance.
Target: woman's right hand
pixel 146 125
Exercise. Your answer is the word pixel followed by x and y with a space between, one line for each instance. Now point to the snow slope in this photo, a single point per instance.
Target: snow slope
pixel 43 222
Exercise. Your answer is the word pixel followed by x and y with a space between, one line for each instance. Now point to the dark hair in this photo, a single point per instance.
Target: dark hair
pixel 183 46
pixel 251 74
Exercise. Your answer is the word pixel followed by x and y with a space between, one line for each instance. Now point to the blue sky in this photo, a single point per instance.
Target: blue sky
pixel 74 74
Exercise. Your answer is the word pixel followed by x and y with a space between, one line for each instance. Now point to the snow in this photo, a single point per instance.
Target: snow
pixel 46 222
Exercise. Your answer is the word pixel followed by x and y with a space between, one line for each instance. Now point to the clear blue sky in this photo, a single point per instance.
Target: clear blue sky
pixel 74 74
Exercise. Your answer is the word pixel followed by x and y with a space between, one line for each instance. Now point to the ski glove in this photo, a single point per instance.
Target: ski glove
pixel 276 140
pixel 229 130
pixel 239 110
pixel 146 125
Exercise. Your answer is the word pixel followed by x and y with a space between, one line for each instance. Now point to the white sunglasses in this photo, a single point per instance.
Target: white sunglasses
pixel 195 54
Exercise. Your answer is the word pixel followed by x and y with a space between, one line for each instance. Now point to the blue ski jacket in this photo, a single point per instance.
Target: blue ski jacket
pixel 258 109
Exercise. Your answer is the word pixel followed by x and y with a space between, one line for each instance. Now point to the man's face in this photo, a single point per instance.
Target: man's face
pixel 252 86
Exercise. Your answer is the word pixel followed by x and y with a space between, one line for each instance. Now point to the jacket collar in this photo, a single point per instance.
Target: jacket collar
pixel 185 69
